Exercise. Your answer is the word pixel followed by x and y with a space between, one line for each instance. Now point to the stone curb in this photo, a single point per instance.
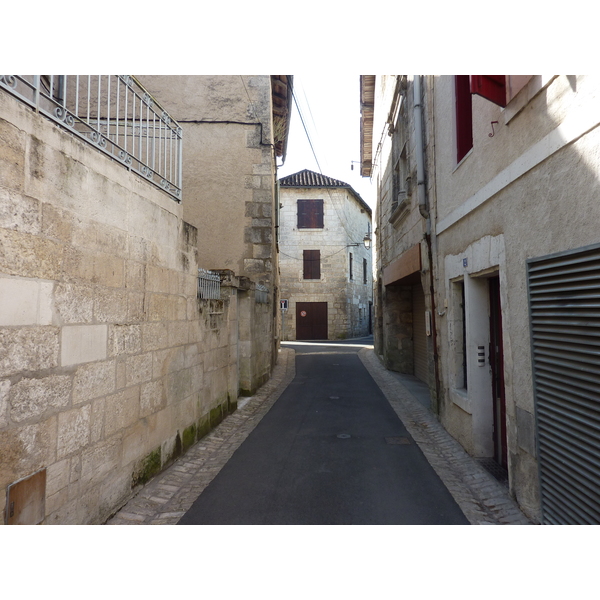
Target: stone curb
pixel 483 500
pixel 167 497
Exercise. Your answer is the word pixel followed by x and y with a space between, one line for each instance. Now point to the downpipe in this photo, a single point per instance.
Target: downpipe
pixel 425 213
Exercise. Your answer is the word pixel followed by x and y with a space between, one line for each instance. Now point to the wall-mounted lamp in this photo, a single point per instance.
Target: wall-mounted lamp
pixel 366 241
pixel 353 162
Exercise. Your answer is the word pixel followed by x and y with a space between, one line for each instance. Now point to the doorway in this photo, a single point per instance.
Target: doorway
pixel 497 364
pixel 311 320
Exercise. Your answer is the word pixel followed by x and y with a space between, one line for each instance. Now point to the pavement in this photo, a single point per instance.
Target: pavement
pixel 470 494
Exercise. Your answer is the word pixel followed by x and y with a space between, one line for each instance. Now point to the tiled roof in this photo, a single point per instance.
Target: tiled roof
pixel 308 178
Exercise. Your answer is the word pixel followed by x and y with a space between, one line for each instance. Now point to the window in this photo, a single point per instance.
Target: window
pixel 365 271
pixel 464 116
pixel 350 267
pixel 310 214
pixel 312 264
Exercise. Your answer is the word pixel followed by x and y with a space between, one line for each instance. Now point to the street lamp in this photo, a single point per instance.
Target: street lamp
pixel 367 240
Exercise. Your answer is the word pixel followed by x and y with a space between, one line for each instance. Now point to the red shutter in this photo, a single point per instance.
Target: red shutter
pixel 490 87
pixel 464 116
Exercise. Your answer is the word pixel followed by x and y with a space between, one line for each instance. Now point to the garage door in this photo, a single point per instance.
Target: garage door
pixel 311 320
pixel 564 297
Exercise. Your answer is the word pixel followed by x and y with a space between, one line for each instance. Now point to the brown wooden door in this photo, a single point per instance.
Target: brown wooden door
pixel 311 320
pixel 497 363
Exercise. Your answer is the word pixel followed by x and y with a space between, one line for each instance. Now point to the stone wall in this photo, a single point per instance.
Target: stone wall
pixel 229 177
pixel 110 366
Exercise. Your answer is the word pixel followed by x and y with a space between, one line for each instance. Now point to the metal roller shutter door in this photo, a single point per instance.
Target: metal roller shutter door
pixel 564 301
pixel 419 334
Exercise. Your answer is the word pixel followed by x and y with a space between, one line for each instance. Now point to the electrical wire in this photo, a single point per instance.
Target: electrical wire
pixel 294 96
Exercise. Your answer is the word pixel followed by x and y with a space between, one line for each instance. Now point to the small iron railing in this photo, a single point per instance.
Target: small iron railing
pixel 261 294
pixel 209 285
pixel 115 114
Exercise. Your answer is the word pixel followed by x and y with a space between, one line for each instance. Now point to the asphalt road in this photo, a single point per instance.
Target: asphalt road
pixel 330 451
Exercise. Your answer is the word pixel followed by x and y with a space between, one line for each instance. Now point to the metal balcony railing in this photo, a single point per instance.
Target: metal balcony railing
pixel 209 285
pixel 115 114
pixel 261 294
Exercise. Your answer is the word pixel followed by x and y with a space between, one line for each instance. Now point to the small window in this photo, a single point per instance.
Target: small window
pixel 464 116
pixel 310 214
pixel 312 264
pixel 350 267
pixel 365 271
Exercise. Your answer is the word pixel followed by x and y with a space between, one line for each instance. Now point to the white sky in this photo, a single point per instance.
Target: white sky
pixel 330 107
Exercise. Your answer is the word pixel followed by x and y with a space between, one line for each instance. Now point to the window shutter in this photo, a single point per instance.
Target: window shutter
pixel 490 87
pixel 312 264
pixel 310 214
pixel 464 116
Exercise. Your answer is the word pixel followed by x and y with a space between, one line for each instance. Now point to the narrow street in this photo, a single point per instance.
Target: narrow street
pixel 327 446
pixel 330 451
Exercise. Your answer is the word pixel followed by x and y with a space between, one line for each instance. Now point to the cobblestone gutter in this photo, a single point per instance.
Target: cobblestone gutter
pixel 167 498
pixel 483 500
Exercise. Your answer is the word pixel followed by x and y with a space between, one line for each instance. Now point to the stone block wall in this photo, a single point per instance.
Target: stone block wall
pixel 110 366
pixel 345 224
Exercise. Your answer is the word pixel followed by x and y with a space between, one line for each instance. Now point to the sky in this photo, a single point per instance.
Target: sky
pixel 331 113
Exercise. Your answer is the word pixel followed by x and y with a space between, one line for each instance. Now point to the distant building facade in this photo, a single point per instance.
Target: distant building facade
pixel 326 270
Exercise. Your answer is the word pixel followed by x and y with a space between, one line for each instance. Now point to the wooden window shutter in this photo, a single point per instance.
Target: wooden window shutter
pixel 312 264
pixel 464 116
pixel 310 214
pixel 490 87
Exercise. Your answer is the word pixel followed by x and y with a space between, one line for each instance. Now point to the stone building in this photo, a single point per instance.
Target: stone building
pixel 234 128
pixel 510 183
pixel 116 353
pixel 403 317
pixel 326 269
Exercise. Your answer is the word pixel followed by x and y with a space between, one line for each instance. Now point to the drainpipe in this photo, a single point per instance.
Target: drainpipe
pixel 424 210
pixel 418 114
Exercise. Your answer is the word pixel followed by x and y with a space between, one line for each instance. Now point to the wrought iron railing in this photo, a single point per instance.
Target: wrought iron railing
pixel 209 285
pixel 261 294
pixel 115 114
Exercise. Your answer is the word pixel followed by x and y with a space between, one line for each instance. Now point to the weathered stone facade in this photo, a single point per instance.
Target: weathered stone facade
pixel 401 247
pixel 229 175
pixel 346 221
pixel 110 364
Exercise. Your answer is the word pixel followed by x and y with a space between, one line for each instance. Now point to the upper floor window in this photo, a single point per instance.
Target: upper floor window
pixel 310 214
pixel 350 267
pixel 312 264
pixel 364 270
pixel 464 116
